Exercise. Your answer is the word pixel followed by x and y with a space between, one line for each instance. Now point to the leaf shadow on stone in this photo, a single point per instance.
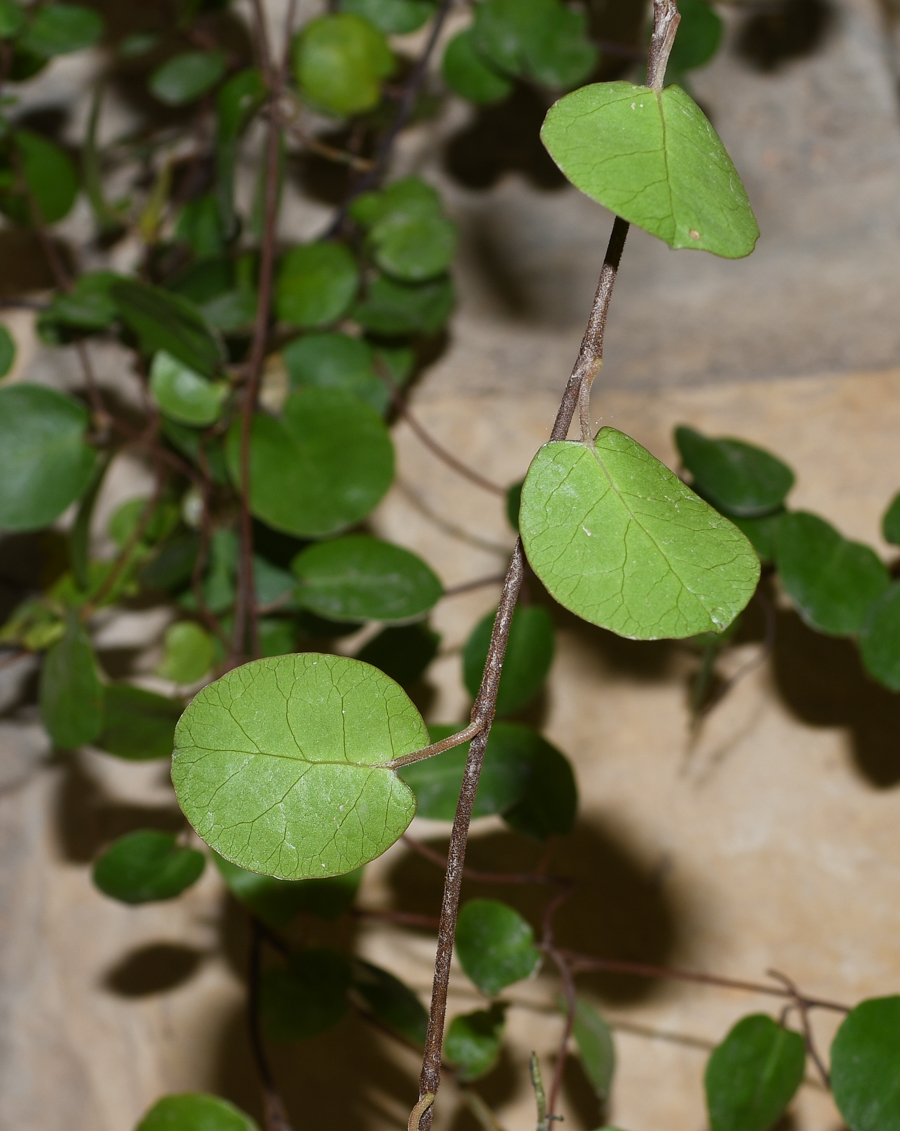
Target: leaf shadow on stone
pixel 152 969
pixel 504 138
pixel 620 908
pixel 822 680
pixel 88 819
pixel 784 31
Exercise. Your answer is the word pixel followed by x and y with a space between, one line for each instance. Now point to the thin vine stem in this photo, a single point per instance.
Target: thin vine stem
pixel 274 1114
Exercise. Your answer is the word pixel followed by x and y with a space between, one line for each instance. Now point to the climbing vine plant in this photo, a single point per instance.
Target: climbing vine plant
pixel 296 763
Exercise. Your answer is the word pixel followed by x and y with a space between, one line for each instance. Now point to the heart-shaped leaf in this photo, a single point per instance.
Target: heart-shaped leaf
pixel 283 765
pixel 865 1068
pixel 753 1074
pixel 653 159
pixel 44 462
pixel 321 468
pixel 619 540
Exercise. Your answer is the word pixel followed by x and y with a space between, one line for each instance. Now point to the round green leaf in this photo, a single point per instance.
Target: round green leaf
pixel 185 77
pixel 340 61
pixel 71 694
pixel 865 1068
pixel 596 1050
pixel 890 524
pixel 50 177
pixel 189 652
pixel 316 283
pixel 470 75
pixel 395 17
pixel 147 866
pixel 753 1074
pixel 653 159
pixel 736 477
pixel 321 468
pixel 336 361
pixel 414 247
pixel 495 945
pixel 166 321
pixel 308 997
pixel 362 578
pixel 12 18
pixel 139 725
pixel 282 765
pixel 277 902
pixel 832 581
pixel 44 462
pixel 391 1000
pixel 392 308
pixel 619 540
pixel 473 1041
pixel 879 638
pixel 58 29
pixel 183 394
pixel 539 39
pixel 529 654
pixel 7 351
pixel 698 37
pixel 402 651
pixel 193 1111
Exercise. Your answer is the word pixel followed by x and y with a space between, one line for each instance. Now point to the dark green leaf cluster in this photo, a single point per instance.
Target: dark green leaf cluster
pixel 838 586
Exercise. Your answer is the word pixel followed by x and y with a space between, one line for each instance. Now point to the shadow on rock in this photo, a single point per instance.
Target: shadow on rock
pixel 822 680
pixel 619 908
pixel 784 31
pixel 344 1080
pixel 153 969
pixel 87 820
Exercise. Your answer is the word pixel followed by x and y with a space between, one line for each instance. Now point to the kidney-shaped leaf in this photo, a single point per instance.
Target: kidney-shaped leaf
pixel 307 997
pixel 753 1074
pixel 362 578
pixel 619 540
pixel 195 1111
pixel 495 945
pixel 473 1041
pixel 147 866
pixel 734 476
pixel 277 902
pixel 653 159
pixel 283 765
pixel 865 1067
pixel 321 468
pixel 139 725
pixel 832 581
pixel 529 654
pixel 44 462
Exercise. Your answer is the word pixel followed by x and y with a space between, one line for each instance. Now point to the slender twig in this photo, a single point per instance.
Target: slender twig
pixel 587 365
pixel 274 1113
pixel 582 963
pixel 478 583
pixel 440 451
pixel 802 1005
pixel 245 611
pixel 562 965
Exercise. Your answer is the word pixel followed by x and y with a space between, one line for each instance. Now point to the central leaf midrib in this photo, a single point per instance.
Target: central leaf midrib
pixel 665 154
pixel 304 760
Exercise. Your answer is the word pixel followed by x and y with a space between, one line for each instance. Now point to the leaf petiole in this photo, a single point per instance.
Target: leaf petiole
pixel 437 747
